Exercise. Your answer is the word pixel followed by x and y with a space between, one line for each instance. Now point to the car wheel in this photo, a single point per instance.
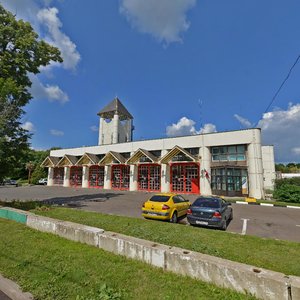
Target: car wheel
pixel 174 218
pixel 224 225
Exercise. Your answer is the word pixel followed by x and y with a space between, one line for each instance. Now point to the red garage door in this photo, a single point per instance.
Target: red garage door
pixel 149 177
pixel 76 176
pixel 58 176
pixel 96 176
pixel 120 175
pixel 185 178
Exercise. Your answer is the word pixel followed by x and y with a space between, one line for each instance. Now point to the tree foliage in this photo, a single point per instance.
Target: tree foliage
pixel 287 190
pixel 21 53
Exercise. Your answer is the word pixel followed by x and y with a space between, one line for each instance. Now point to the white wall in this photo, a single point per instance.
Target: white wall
pixel 268 166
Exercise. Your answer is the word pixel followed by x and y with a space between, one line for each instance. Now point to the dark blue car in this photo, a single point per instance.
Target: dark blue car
pixel 211 212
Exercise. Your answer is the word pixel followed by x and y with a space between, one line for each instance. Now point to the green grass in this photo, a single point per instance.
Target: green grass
pixel 265 253
pixel 51 267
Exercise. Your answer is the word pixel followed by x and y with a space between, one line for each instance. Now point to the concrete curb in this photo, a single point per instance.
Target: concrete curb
pixel 265 204
pixel 12 290
pixel 262 283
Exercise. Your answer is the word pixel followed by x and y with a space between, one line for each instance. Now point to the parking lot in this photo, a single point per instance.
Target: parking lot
pixel 267 222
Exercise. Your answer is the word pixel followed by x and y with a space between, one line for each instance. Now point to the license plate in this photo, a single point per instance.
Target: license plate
pixel 201 223
pixel 152 214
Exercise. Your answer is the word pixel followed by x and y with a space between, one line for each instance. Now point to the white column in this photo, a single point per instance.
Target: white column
pixel 50 176
pixel 115 128
pixel 100 140
pixel 165 175
pixel 133 178
pixel 66 176
pixel 205 181
pixel 107 177
pixel 255 169
pixel 85 176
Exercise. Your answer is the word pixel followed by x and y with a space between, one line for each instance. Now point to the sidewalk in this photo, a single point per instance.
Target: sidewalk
pixel 9 290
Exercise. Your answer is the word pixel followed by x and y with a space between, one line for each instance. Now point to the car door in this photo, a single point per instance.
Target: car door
pixel 225 210
pixel 178 205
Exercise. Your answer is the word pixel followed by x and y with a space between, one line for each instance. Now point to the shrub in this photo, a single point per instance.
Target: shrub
pixel 286 191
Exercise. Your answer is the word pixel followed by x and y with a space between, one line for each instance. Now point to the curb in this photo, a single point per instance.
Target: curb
pixel 12 290
pixel 266 204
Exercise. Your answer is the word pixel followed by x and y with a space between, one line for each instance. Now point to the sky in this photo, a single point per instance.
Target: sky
pixel 180 67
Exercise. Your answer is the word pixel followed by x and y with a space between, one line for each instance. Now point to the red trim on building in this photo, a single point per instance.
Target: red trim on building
pixel 185 178
pixel 149 177
pixel 120 177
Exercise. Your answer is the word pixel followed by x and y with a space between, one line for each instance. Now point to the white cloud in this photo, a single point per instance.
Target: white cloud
pixel 48 17
pixel 50 92
pixel 296 150
pixel 245 122
pixel 94 128
pixel 28 126
pixel 186 126
pixel 163 19
pixel 57 132
pixel 281 129
pixel 208 128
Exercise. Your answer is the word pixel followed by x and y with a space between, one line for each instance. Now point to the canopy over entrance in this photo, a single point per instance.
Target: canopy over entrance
pixel 67 161
pixel 112 157
pixel 142 156
pixel 50 161
pixel 178 154
pixel 88 159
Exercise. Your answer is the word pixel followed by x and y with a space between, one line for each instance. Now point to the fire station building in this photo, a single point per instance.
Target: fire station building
pixel 232 163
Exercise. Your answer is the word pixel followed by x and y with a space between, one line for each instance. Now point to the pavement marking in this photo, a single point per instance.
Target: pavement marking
pixel 266 204
pixel 297 207
pixel 298 225
pixel 244 226
pixel 242 202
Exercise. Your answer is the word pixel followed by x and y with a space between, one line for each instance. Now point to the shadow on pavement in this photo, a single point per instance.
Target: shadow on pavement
pixel 78 201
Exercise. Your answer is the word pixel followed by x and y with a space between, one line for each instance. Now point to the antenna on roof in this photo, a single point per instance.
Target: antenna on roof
pixel 200 104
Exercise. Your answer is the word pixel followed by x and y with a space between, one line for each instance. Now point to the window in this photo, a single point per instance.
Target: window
pixel 229 153
pixel 229 179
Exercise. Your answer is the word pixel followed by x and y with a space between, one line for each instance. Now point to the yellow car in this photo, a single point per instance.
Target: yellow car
pixel 165 207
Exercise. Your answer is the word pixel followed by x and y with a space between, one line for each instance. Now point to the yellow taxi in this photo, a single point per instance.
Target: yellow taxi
pixel 165 206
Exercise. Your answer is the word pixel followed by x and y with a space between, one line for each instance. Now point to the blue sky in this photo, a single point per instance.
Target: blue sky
pixel 179 66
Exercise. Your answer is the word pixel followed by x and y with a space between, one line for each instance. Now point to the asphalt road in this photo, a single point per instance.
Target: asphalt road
pixel 267 222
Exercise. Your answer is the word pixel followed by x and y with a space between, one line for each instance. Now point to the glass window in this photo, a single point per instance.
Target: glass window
pixel 207 202
pixel 231 149
pixel 232 157
pixel 158 198
pixel 215 150
pixel 241 149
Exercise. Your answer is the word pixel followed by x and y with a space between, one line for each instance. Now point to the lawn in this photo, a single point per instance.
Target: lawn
pixel 51 267
pixel 265 253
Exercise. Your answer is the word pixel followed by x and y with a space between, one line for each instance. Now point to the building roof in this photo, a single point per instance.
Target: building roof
pixel 115 106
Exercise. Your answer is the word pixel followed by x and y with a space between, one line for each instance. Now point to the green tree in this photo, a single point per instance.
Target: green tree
pixel 21 53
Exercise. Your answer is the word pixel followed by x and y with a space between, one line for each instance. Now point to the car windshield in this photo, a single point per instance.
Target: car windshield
pixel 207 202
pixel 159 198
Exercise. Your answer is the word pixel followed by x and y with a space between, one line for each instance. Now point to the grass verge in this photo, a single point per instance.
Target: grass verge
pixel 264 253
pixel 51 267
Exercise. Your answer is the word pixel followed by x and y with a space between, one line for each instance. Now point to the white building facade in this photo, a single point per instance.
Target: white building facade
pixel 232 163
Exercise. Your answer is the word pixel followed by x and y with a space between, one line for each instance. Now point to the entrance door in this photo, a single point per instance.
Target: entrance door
pixel 185 178
pixel 149 177
pixel 120 176
pixel 76 176
pixel 96 176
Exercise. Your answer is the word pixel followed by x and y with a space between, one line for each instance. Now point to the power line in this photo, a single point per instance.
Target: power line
pixel 282 84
